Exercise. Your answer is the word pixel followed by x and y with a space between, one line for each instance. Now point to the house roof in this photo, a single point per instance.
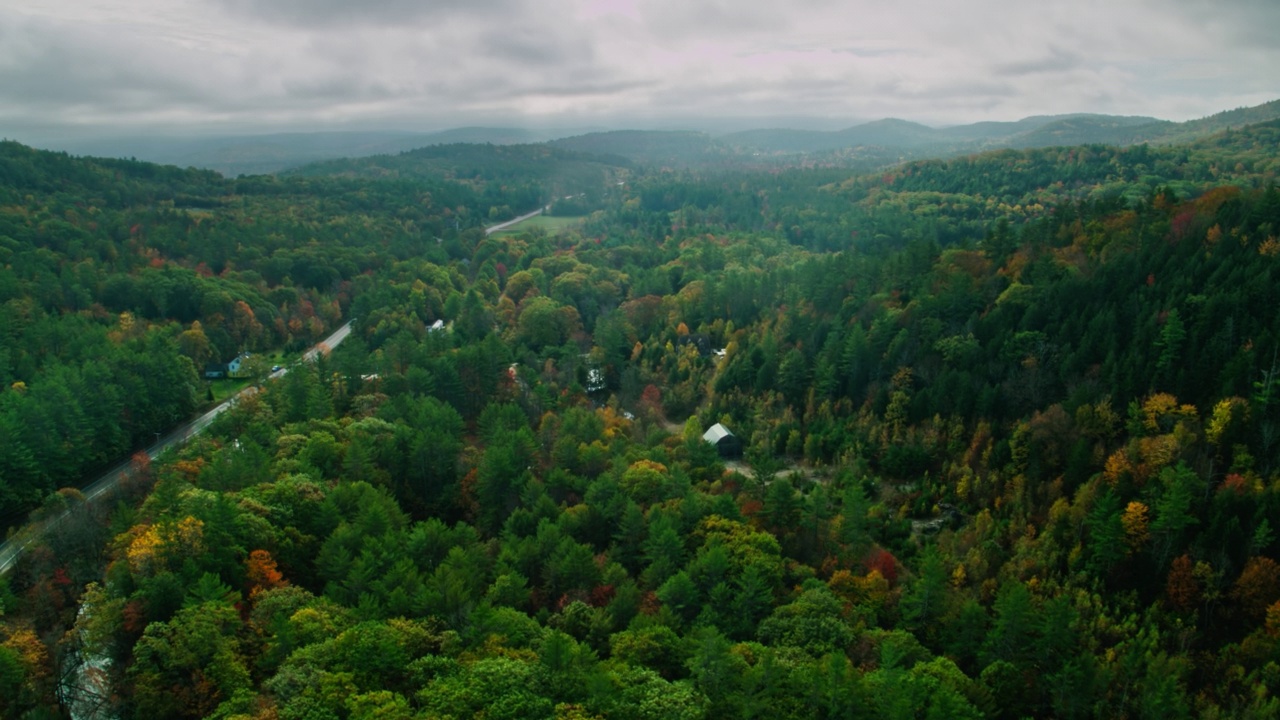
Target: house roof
pixel 716 433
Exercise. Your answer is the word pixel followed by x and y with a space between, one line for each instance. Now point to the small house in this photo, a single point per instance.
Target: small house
pixel 233 368
pixel 724 441
pixel 700 341
pixel 237 368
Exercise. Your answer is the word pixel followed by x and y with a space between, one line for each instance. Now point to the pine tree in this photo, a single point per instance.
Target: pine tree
pixel 1106 534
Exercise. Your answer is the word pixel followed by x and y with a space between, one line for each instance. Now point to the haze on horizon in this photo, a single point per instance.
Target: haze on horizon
pixel 83 67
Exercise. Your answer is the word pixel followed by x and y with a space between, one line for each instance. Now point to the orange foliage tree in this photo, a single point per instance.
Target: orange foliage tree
pixel 261 572
pixel 1182 589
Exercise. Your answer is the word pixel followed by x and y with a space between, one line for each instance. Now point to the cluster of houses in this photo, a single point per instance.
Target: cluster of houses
pixel 719 436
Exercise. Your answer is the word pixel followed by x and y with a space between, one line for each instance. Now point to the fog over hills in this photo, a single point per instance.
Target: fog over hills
pixel 257 154
pixel 866 145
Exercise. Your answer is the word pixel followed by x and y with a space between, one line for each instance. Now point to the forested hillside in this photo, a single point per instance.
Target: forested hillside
pixel 511 178
pixel 1010 428
pixel 653 148
pixel 119 280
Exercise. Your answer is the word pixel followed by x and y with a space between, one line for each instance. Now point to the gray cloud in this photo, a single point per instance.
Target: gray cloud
pixel 1056 61
pixel 339 88
pixel 677 19
pixel 534 47
pixel 1250 21
pixel 281 64
pixel 337 13
pixel 44 68
pixel 948 91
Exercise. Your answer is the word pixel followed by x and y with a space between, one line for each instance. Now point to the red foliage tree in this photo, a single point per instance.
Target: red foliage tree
pixel 1257 587
pixel 601 595
pixel 884 561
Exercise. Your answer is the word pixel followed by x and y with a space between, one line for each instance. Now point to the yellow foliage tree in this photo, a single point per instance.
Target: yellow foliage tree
pixel 1213 236
pixel 1136 521
pixel 1225 413
pixel 33 654
pixel 1161 412
pixel 153 544
pixel 1117 466
pixel 187 536
pixel 144 548
pixel 844 584
pixel 1157 452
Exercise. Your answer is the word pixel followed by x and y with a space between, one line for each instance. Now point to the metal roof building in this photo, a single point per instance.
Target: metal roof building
pixel 724 440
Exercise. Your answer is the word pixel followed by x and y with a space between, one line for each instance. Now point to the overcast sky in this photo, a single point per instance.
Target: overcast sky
pixel 265 65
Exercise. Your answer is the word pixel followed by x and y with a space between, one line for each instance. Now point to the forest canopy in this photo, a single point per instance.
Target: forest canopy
pixel 1009 427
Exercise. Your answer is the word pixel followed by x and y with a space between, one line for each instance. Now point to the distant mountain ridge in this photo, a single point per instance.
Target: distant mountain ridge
pixel 892 140
pixel 650 147
pixel 270 153
pixel 1036 131
pixel 865 146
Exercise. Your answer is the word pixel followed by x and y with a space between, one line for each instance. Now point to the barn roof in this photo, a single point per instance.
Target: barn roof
pixel 716 433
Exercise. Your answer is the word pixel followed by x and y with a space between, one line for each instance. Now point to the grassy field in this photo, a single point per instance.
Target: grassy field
pixel 552 224
pixel 223 389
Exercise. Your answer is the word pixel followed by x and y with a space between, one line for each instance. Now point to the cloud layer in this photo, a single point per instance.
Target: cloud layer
pixel 128 65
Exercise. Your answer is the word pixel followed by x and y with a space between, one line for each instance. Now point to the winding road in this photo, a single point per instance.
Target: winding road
pixel 11 549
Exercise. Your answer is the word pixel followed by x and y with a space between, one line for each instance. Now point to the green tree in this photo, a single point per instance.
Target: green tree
pixel 1172 336
pixel 663 549
pixel 187 666
pixel 716 672
pixel 494 687
pixel 681 595
pixel 1106 534
pixel 925 601
pixel 1174 510
pixel 853 518
pixel 1013 630
pixel 12 681
pixel 814 622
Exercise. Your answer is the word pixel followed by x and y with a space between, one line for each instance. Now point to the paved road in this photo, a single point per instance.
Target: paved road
pixel 509 223
pixel 12 548
pixel 324 346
